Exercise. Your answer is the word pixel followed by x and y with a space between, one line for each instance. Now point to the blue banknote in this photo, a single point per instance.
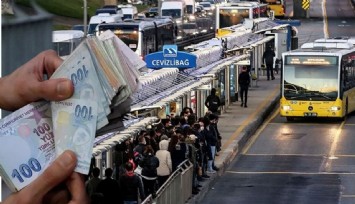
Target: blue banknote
pixel 26 144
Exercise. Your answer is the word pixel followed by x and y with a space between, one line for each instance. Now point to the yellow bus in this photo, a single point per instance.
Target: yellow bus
pixel 318 80
pixel 278 6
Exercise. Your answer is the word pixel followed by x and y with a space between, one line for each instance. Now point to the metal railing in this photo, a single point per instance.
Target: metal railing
pixel 177 189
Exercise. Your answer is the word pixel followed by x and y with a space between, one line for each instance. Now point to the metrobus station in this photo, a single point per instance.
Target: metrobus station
pixel 166 91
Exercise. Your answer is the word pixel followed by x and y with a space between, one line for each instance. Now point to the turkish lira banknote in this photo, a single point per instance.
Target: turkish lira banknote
pixel 74 123
pixel 26 144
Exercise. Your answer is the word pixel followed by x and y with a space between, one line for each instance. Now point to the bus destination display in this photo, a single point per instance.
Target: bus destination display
pixel 311 60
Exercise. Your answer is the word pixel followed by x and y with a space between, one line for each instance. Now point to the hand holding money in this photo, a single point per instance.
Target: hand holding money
pixel 26 84
pixel 41 131
pixel 45 188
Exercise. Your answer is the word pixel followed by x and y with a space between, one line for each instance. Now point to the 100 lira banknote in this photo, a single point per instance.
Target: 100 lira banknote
pixel 26 144
pixel 74 123
pixel 80 69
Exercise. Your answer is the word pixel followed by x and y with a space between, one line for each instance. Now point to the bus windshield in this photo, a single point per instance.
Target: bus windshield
pixel 127 33
pixel 230 17
pixel 175 13
pixel 316 82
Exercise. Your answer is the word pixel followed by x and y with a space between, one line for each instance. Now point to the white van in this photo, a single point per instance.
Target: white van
pixel 128 11
pixel 65 41
pixel 102 18
pixel 175 9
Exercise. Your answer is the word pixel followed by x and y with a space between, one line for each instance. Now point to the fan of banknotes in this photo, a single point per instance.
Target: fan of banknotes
pixel 105 73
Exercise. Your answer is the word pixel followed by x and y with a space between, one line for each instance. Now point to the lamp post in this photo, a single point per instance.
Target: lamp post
pixel 85 17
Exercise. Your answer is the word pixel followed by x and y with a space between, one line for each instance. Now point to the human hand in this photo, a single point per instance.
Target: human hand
pixel 27 83
pixel 57 184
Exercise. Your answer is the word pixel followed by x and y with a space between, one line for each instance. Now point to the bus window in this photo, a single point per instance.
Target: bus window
pixel 127 33
pixel 230 17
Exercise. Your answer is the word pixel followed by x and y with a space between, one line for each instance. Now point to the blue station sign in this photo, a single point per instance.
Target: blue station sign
pixel 170 57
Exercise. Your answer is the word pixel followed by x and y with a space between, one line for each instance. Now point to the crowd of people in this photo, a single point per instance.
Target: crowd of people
pixel 151 158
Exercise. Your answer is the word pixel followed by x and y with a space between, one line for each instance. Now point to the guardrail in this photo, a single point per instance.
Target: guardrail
pixel 177 189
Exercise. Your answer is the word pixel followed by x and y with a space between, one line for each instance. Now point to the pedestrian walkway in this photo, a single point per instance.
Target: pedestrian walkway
pixel 237 124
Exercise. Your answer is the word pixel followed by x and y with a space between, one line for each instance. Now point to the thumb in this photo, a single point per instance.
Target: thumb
pixel 55 89
pixel 55 174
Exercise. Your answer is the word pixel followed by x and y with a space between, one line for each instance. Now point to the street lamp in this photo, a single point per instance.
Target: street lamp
pixel 85 18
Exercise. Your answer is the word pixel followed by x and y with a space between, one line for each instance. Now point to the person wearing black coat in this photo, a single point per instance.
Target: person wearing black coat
pixel 244 81
pixel 211 140
pixel 131 185
pixel 109 187
pixel 149 165
pixel 268 58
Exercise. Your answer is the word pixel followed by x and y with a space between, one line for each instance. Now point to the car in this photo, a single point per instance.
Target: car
pixel 152 12
pixel 207 5
pixel 141 16
pixel 153 9
pixel 190 29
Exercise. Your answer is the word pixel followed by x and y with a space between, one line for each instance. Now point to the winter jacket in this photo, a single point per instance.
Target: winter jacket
pixel 131 184
pixel 164 157
pixel 179 154
pixel 244 79
pixel 268 56
pixel 210 135
pixel 139 148
pixel 149 166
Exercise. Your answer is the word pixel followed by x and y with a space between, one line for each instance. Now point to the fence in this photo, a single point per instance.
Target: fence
pixel 177 189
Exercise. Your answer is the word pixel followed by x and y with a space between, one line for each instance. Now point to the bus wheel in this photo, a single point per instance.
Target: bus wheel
pixel 289 118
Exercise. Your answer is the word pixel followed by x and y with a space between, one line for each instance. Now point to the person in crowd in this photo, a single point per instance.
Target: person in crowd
pixel 152 140
pixel 159 132
pixel 191 119
pixel 268 59
pixel 213 102
pixel 178 150
pixel 186 111
pixel 109 188
pixel 213 126
pixel 149 166
pixel 128 154
pixel 25 85
pixel 141 144
pixel 131 186
pixel 183 122
pixel 175 121
pixel 211 140
pixel 165 166
pixel 174 139
pixel 199 154
pixel 166 122
pixel 244 82
pixel 191 140
pixel 91 186
pixel 204 147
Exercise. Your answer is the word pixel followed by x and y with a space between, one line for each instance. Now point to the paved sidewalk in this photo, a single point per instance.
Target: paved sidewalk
pixel 237 124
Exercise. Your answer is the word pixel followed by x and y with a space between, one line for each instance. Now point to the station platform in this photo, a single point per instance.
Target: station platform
pixel 237 124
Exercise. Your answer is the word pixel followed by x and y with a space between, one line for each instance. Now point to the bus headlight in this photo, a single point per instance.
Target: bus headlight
pixel 335 108
pixel 286 108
